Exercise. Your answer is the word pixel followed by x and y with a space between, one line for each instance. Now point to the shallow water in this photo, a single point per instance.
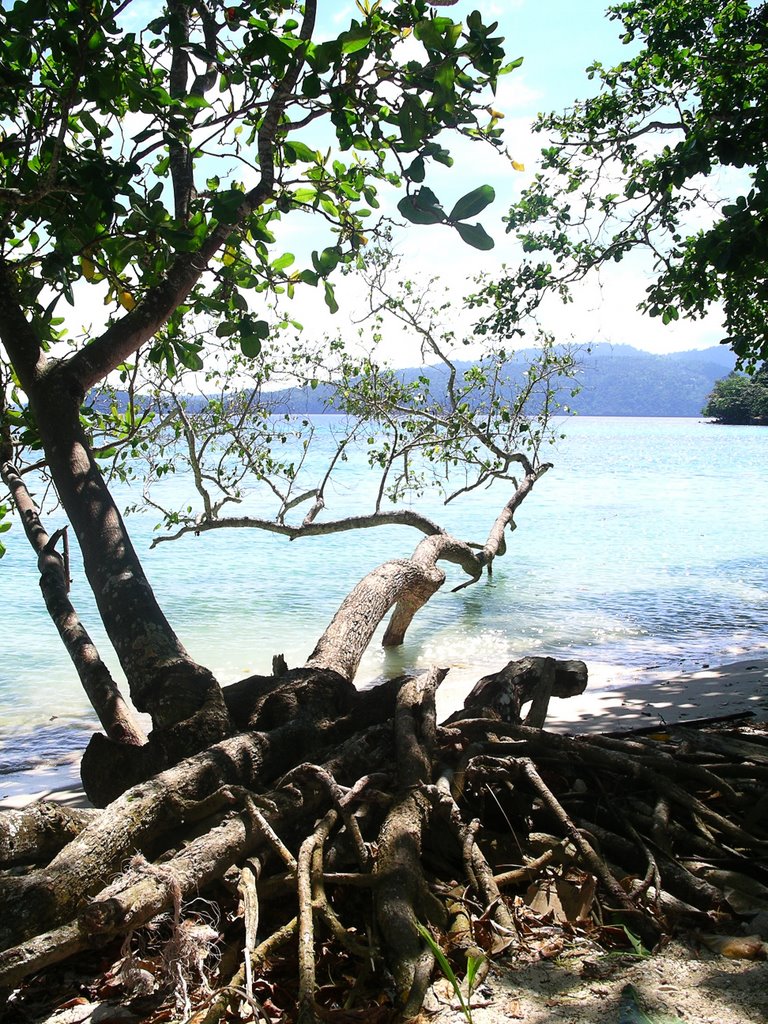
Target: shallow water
pixel 646 545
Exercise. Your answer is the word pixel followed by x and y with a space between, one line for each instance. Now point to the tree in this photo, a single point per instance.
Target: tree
pixel 739 398
pixel 668 158
pixel 153 164
pixel 445 430
pixel 117 148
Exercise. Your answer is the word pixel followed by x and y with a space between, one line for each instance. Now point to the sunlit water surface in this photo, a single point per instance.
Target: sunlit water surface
pixel 646 545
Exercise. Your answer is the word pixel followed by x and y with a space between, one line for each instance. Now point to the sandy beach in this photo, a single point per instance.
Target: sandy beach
pixel 616 699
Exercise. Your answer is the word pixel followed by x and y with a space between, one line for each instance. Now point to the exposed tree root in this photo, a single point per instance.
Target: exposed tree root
pixel 36 833
pixel 473 829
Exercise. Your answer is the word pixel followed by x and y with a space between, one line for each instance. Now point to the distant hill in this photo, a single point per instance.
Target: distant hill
pixel 615 380
pixel 623 381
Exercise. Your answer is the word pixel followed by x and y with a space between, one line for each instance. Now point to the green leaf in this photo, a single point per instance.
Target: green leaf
pixel 445 967
pixel 252 333
pixel 283 261
pixel 416 171
pixel 475 235
pixel 250 345
pixel 327 261
pixel 255 328
pixel 330 298
pixel 312 86
pixel 260 232
pixel 226 204
pixel 295 150
pixel 513 64
pixel 189 357
pixel 422 208
pixel 472 203
pixel 88 121
pixel 473 965
pixel 196 102
pixel 356 39
pixel 413 121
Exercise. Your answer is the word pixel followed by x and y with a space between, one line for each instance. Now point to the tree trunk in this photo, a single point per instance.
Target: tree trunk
pixel 164 681
pixel 115 715
pixel 36 833
pixel 344 642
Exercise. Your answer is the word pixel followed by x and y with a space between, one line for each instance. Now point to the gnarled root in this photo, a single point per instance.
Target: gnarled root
pixel 463 828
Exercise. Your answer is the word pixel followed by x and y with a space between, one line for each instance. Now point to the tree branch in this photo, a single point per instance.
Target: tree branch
pixel 397 517
pixel 92 363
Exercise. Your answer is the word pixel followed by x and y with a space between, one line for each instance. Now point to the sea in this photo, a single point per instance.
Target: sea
pixel 644 547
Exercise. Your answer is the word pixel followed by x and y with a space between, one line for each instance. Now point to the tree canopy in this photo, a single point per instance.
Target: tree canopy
pixel 151 166
pixel 740 398
pixel 669 157
pixel 134 155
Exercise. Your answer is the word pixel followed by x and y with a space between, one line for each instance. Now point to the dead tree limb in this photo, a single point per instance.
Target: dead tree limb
pixel 502 694
pixel 35 834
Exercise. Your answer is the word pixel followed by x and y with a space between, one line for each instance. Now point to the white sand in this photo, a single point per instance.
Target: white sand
pixel 624 699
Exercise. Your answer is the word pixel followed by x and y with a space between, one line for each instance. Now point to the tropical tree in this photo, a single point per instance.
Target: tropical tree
pixel 152 165
pixel 739 398
pixel 667 159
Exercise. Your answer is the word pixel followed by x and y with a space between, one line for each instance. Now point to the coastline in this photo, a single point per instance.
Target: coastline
pixel 617 698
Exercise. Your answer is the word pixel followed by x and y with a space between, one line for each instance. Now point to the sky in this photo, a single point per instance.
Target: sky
pixel 558 39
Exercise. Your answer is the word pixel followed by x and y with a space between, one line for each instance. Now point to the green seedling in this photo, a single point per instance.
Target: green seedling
pixel 473 965
pixel 638 949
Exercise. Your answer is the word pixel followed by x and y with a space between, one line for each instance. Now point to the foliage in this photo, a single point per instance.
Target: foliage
pixel 152 166
pixel 740 398
pixel 667 158
pixel 449 427
pixel 473 964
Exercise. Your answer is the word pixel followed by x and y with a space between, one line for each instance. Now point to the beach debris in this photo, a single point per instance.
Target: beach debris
pixel 736 947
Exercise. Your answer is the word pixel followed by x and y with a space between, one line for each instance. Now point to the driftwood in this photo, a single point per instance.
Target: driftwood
pixel 504 693
pixel 386 821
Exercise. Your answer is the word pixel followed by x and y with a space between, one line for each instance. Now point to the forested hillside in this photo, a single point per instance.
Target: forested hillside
pixel 615 380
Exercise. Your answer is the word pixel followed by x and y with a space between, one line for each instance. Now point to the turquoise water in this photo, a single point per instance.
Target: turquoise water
pixel 646 545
